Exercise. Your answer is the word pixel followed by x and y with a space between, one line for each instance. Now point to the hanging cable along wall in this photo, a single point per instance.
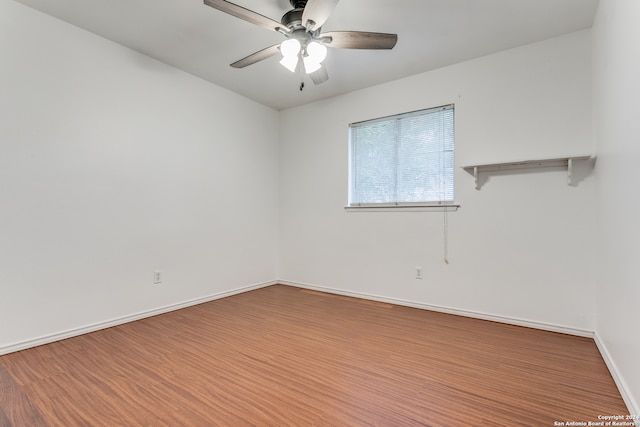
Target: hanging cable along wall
pixel 446 235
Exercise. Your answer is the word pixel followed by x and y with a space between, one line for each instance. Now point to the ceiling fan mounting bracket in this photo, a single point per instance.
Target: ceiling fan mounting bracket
pixel 298 4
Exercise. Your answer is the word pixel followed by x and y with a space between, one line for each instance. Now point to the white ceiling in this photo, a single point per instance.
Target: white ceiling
pixel 431 34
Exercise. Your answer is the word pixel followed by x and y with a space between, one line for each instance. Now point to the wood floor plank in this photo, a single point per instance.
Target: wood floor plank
pixel 16 408
pixel 282 356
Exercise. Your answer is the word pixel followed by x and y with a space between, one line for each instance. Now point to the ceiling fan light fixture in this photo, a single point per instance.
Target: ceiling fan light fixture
pixel 290 63
pixel 310 64
pixel 317 51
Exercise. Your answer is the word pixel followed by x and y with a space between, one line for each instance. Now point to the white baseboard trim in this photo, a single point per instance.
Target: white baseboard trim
pixel 23 345
pixel 449 310
pixel 632 405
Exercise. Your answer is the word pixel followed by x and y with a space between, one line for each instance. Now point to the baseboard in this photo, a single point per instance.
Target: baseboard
pixel 449 310
pixel 632 405
pixel 23 345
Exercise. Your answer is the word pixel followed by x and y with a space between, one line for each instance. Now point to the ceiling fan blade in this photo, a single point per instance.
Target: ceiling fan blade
pixel 360 40
pixel 257 57
pixel 320 76
pixel 317 11
pixel 246 15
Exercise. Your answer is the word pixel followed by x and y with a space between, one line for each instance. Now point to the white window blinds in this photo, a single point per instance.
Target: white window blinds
pixel 403 159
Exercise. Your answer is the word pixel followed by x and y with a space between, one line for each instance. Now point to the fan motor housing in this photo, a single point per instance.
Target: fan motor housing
pixel 292 19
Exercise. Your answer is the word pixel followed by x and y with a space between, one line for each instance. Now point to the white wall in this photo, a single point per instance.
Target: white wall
pixel 521 247
pixel 617 104
pixel 113 165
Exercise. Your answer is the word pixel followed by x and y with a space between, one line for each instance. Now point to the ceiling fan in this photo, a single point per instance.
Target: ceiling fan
pixel 301 27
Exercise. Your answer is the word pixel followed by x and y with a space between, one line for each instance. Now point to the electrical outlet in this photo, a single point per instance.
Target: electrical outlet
pixel 157 277
pixel 418 272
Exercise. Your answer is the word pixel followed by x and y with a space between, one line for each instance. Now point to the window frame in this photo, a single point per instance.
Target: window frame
pixel 448 205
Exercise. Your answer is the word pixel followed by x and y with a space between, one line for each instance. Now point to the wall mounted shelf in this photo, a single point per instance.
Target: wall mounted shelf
pixel 562 162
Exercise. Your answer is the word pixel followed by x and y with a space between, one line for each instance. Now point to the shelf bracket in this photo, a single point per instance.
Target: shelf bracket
pixel 570 170
pixel 476 177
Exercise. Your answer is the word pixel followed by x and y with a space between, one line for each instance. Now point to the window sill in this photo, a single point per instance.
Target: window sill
pixel 407 207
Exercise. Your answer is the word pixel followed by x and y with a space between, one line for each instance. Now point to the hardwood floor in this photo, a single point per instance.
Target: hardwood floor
pixel 282 356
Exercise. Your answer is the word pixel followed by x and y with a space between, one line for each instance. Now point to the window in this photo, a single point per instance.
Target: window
pixel 403 160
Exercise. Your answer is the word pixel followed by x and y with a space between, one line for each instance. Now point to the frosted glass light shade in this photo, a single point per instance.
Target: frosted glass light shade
pixel 310 64
pixel 317 51
pixel 290 62
pixel 290 47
